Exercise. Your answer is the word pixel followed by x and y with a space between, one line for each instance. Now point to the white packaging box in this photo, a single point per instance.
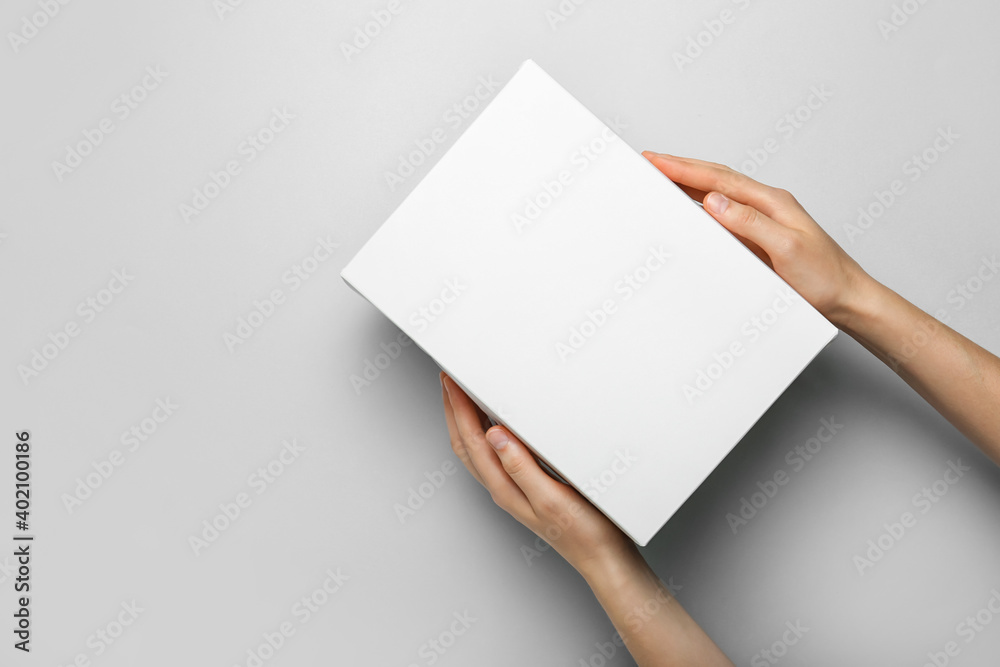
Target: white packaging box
pixel 587 303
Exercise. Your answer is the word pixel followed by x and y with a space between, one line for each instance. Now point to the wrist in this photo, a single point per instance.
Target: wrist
pixel 614 567
pixel 860 303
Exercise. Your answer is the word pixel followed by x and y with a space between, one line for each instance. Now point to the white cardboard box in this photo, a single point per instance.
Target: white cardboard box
pixel 584 301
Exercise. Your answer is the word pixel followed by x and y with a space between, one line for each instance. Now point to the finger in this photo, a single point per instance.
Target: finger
pixel 709 176
pixel 518 461
pixel 457 445
pixel 681 158
pixel 699 196
pixel 693 193
pixel 746 222
pixel 484 419
pixel 502 488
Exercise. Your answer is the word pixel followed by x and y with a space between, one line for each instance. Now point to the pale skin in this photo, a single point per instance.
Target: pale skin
pixel 960 379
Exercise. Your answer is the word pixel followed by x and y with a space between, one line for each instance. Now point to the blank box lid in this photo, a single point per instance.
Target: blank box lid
pixel 587 303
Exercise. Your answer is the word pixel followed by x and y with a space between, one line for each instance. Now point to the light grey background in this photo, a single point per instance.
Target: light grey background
pixel 323 176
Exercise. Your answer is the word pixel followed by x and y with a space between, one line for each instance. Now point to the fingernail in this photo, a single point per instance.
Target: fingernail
pixel 717 203
pixel 497 438
pixel 445 385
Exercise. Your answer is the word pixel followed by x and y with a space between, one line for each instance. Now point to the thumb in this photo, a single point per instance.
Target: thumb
pixel 746 222
pixel 519 463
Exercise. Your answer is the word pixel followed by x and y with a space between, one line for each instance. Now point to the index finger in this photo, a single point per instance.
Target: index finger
pixel 502 488
pixel 456 441
pixel 710 176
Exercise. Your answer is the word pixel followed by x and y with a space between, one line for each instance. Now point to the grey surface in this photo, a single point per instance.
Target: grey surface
pixel 333 507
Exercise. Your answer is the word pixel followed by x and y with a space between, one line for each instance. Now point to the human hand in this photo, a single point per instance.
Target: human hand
pixel 772 224
pixel 653 625
pixel 554 511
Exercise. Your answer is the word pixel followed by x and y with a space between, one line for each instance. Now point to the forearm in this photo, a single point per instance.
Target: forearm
pixel 655 628
pixel 960 379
